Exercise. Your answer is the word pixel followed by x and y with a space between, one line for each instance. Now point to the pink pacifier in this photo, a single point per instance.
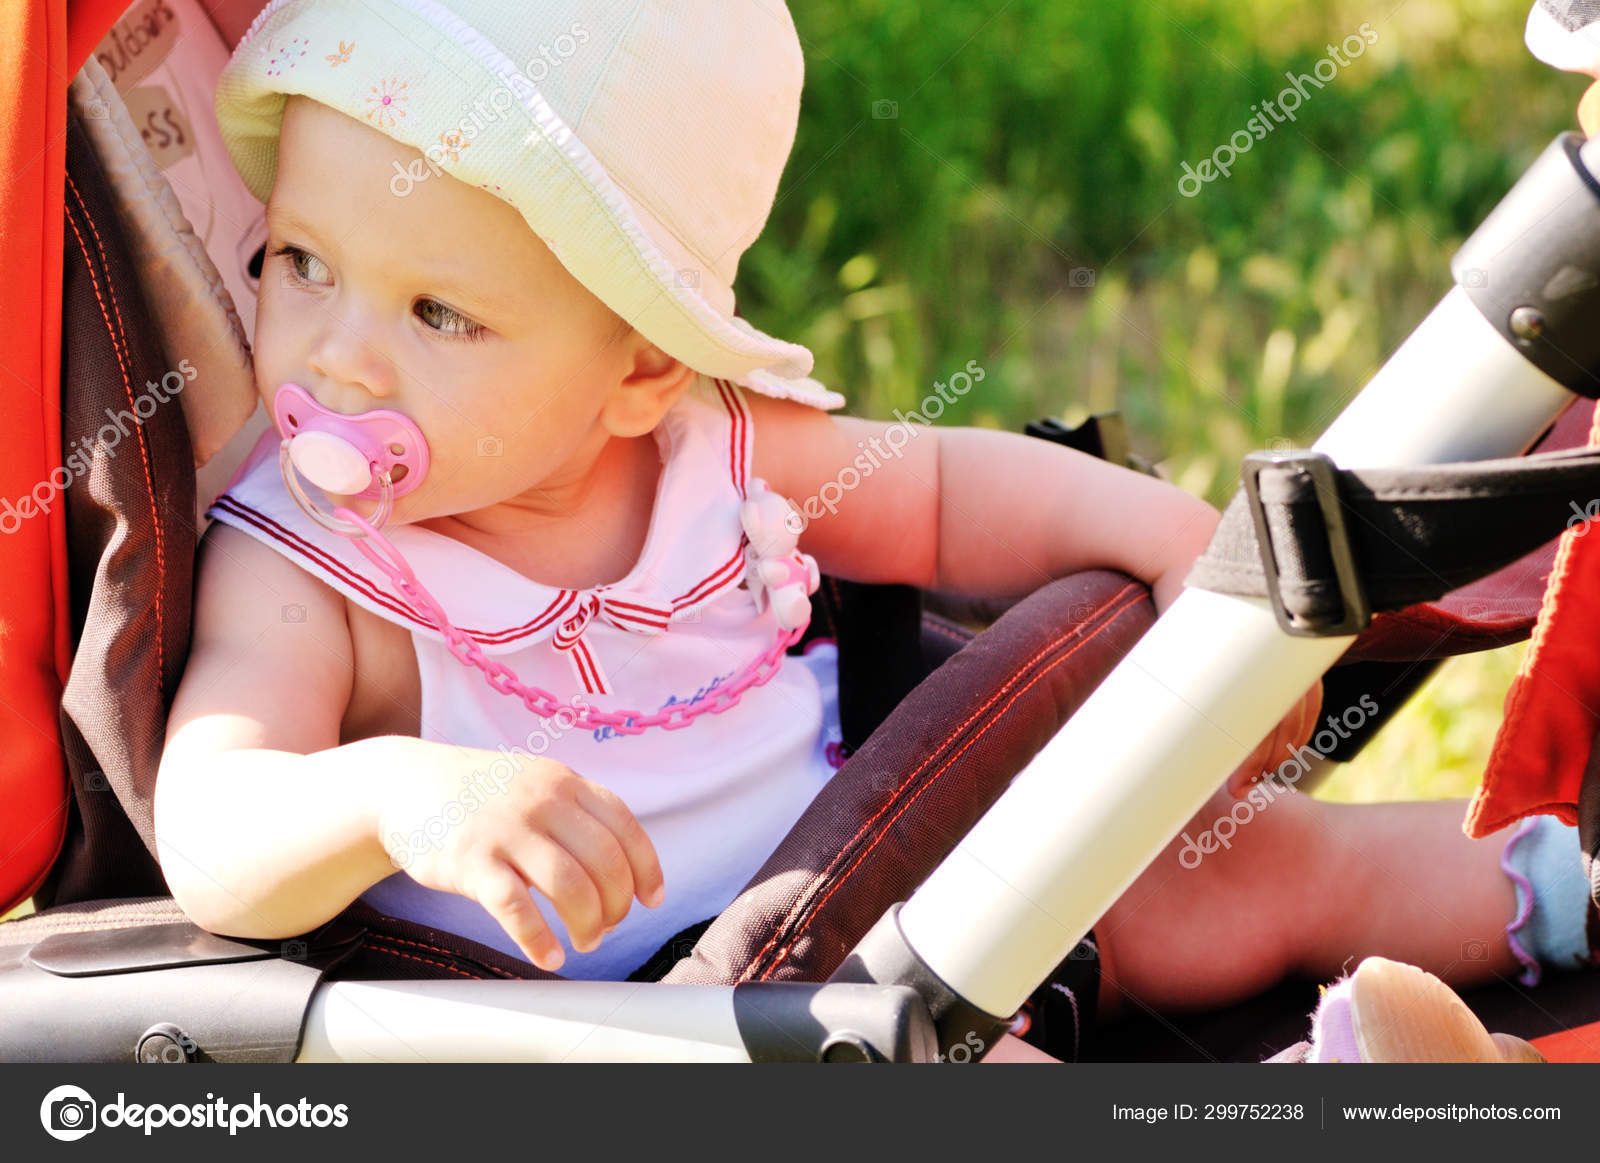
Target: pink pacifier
pixel 379 455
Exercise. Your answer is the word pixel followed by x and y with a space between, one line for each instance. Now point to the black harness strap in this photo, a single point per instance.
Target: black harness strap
pixel 1330 546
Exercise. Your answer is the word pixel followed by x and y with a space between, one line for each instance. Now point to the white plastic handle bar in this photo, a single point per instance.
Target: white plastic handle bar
pixel 1188 703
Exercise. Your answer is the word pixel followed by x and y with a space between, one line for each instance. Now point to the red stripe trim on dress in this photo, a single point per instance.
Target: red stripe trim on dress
pixel 634 612
pixel 634 620
pixel 318 558
pixel 359 582
pixel 725 573
pixel 587 671
pixel 738 452
pixel 558 606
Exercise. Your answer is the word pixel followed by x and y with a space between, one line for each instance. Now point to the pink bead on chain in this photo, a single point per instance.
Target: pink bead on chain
pixel 541 702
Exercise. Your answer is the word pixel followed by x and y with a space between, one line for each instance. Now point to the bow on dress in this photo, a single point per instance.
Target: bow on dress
pixel 623 609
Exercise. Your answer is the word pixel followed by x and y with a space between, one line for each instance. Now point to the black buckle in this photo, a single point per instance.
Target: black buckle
pixel 1357 611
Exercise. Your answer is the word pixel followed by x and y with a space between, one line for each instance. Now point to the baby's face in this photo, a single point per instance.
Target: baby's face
pixel 442 305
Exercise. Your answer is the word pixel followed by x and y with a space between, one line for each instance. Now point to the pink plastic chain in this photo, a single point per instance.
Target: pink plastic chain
pixel 541 702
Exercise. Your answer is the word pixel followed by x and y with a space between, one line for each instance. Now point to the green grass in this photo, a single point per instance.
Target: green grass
pixel 1434 748
pixel 1038 138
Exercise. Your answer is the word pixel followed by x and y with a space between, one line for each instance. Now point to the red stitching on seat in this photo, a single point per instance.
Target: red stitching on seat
pixel 376 948
pixel 437 949
pixel 932 755
pixel 119 331
pixel 938 627
pixel 1114 612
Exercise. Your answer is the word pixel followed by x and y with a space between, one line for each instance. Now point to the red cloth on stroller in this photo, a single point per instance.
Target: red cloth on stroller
pixel 1553 707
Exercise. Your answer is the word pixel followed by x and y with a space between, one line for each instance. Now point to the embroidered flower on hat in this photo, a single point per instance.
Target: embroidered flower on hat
pixel 386 102
pixel 335 59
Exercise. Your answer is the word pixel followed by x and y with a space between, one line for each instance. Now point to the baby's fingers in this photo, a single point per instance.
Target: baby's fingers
pixel 607 807
pixel 557 873
pixel 600 852
pixel 501 890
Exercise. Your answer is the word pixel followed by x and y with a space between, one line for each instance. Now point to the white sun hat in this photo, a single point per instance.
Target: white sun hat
pixel 1566 34
pixel 642 140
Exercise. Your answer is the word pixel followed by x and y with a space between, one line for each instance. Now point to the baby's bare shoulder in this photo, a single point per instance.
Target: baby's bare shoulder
pixel 270 659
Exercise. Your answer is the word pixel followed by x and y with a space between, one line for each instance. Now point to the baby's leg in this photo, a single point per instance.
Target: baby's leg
pixel 1306 888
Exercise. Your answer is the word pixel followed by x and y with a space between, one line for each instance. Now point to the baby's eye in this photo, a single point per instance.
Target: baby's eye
pixel 446 321
pixel 307 267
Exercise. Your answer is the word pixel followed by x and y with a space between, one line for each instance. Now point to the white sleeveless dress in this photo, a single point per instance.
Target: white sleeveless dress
pixel 714 797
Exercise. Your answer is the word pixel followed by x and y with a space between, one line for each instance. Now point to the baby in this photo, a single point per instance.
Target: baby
pixel 502 239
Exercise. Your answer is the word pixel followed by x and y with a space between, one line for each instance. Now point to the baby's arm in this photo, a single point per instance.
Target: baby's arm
pixel 266 826
pixel 970 510
pixel 986 513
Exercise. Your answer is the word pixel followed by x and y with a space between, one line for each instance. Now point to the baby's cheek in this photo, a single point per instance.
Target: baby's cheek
pixel 269 348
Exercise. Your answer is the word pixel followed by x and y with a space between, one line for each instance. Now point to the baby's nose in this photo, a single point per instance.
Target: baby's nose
pixel 348 371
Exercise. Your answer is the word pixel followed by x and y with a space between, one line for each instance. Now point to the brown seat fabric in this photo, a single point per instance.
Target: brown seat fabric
pixel 130 535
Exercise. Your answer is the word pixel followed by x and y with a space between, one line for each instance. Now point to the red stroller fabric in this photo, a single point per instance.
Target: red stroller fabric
pixel 42 44
pixel 1553 708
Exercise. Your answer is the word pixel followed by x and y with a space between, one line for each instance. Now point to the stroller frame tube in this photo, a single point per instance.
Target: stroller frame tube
pixel 1210 679
pixel 616 1021
pixel 520 1021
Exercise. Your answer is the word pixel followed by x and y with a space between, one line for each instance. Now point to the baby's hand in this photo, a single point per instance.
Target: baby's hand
pixel 1292 732
pixel 575 841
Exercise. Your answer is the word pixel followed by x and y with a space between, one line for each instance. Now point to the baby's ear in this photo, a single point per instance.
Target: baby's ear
pixel 648 389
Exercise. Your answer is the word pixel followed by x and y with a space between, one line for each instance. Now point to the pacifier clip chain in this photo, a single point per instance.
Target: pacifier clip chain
pixel 382 455
pixel 379 550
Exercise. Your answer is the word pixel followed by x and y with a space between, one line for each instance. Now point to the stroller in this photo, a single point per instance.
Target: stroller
pixel 990 808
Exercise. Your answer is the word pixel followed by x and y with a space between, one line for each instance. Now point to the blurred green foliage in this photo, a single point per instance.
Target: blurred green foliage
pixel 1035 138
pixel 1016 202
